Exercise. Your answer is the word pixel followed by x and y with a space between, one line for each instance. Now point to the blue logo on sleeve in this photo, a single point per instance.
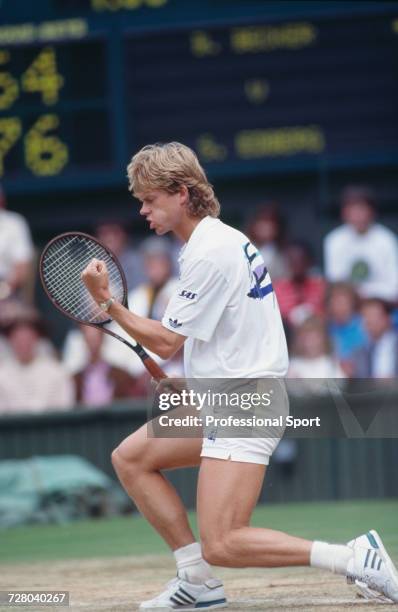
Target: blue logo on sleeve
pixel 258 273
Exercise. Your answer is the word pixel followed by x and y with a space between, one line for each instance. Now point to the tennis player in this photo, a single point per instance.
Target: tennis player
pixel 226 315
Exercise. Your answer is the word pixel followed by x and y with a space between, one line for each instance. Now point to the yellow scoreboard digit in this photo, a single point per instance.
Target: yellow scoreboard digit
pixel 42 77
pixel 9 88
pixel 10 131
pixel 44 153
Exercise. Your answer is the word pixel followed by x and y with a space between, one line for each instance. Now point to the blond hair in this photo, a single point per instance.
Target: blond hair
pixel 169 166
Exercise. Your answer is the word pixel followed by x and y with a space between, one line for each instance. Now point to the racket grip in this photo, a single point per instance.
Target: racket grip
pixel 155 371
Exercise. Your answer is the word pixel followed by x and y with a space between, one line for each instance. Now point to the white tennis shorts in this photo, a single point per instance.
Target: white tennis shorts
pixel 260 442
pixel 245 450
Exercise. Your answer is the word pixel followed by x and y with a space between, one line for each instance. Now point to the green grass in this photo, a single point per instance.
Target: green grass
pixel 331 521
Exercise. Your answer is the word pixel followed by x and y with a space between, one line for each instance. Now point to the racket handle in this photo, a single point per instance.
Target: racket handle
pixel 155 371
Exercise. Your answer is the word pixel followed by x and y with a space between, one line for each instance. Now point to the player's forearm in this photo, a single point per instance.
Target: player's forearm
pixel 151 334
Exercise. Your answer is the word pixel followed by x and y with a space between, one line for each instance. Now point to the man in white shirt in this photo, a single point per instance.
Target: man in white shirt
pixel 226 315
pixel 30 381
pixel 16 250
pixel 361 251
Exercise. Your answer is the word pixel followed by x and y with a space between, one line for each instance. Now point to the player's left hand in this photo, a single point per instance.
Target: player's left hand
pixel 95 277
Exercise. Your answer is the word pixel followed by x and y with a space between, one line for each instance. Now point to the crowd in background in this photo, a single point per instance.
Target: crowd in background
pixel 340 318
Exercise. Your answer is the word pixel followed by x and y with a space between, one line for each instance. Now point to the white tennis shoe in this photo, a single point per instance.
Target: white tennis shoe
pixel 182 595
pixel 372 570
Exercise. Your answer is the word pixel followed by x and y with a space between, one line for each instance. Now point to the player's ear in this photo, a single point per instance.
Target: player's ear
pixel 184 194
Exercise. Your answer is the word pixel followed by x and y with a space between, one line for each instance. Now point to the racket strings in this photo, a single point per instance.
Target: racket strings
pixel 62 284
pixel 67 288
pixel 62 277
pixel 62 265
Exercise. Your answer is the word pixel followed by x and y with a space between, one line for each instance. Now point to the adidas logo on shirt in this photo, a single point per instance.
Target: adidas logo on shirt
pixel 174 323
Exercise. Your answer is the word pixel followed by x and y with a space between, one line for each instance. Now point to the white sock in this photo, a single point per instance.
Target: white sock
pixel 333 557
pixel 190 564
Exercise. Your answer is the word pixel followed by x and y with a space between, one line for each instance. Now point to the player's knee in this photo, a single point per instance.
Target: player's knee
pixel 220 549
pixel 132 456
pixel 123 464
pixel 117 460
pixel 214 551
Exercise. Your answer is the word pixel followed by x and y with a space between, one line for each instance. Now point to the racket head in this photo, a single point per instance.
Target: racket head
pixel 61 263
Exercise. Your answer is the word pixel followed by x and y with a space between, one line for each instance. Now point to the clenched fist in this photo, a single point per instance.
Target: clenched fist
pixel 95 277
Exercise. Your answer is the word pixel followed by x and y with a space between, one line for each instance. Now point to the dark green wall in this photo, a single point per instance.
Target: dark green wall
pixel 324 469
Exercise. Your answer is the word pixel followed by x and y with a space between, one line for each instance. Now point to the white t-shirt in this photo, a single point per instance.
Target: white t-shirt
pixel 15 242
pixel 324 366
pixel 385 356
pixel 226 306
pixel 369 260
pixel 43 384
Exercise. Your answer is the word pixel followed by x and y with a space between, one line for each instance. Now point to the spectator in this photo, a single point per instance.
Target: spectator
pixel 312 355
pixel 302 294
pixel 114 236
pixel 151 297
pixel 99 382
pixel 30 382
pixel 266 230
pixel 378 357
pixel 361 251
pixel 16 251
pixel 345 326
pixel 12 311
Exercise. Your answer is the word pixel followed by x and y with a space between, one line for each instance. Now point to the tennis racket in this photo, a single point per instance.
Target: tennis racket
pixel 61 264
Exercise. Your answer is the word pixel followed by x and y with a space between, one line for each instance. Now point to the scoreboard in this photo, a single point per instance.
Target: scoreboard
pixel 54 114
pixel 299 89
pixel 82 91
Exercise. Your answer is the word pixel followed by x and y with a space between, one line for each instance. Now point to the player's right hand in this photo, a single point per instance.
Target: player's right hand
pixel 95 277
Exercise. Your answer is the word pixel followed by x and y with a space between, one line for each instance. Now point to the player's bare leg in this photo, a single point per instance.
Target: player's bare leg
pixel 227 494
pixel 138 461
